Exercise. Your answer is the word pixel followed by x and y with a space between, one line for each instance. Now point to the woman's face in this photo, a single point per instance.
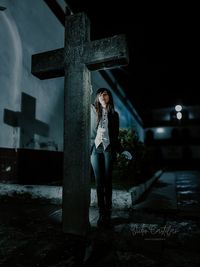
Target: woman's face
pixel 104 99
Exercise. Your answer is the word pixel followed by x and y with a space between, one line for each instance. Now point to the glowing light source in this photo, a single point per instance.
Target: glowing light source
pixel 160 130
pixel 178 108
pixel 179 115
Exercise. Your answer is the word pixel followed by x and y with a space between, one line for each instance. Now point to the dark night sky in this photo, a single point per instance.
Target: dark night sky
pixel 163 45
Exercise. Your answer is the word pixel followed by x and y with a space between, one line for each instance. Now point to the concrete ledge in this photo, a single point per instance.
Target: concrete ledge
pixel 122 199
pixel 51 193
pixel 137 191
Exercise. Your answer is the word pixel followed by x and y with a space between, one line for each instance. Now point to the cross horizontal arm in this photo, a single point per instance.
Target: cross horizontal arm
pixel 48 64
pixel 106 53
pixel 99 54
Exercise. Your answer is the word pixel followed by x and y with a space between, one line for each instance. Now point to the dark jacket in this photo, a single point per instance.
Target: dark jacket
pixel 113 129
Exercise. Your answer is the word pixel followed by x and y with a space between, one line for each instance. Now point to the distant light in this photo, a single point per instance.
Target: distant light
pixel 179 115
pixel 178 108
pixel 160 130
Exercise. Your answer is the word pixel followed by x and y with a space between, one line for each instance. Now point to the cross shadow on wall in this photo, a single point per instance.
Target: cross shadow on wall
pixel 26 120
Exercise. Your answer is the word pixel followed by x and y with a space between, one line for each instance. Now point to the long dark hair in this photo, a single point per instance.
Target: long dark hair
pixel 98 106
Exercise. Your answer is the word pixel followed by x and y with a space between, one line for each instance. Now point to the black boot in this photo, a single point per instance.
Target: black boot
pixel 101 220
pixel 107 218
pixel 104 219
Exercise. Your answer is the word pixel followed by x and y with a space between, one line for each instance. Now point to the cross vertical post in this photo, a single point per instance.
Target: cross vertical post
pixel 76 183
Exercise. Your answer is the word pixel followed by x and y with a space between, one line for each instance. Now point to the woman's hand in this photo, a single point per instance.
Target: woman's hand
pixel 127 155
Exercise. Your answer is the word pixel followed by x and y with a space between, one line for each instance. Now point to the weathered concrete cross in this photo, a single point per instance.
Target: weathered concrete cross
pixel 74 61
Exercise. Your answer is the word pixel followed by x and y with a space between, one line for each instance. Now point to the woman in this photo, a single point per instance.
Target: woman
pixel 104 145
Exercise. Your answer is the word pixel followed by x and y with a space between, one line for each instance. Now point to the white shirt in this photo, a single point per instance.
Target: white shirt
pixel 102 131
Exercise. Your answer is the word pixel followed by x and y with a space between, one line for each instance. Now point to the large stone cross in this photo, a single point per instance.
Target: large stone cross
pixel 74 61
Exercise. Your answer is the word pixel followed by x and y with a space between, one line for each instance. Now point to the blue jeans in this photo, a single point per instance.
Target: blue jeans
pixel 102 162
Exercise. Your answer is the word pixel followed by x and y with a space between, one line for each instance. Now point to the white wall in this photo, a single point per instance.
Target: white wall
pixel 29 27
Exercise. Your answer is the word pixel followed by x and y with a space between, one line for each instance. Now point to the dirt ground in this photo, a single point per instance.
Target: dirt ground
pixel 29 237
